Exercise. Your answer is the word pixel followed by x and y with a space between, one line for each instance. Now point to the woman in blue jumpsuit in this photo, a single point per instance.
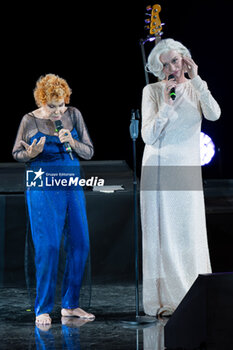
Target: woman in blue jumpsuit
pixel 54 210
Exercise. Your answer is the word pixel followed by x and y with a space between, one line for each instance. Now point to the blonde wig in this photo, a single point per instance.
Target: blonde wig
pixel 51 87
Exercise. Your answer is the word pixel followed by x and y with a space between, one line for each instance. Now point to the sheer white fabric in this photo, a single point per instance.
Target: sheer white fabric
pixel 175 247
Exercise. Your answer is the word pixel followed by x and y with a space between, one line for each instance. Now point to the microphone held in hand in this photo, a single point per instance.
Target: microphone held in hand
pixel 172 91
pixel 67 146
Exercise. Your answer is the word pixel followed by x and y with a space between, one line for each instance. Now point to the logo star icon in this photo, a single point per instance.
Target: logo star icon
pixel 38 174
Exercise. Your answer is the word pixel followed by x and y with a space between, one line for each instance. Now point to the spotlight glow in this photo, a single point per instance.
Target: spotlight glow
pixel 207 148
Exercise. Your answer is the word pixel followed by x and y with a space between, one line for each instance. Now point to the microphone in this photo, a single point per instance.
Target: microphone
pixel 172 91
pixel 68 148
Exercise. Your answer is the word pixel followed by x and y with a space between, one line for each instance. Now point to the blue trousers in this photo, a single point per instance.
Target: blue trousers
pixel 70 339
pixel 48 212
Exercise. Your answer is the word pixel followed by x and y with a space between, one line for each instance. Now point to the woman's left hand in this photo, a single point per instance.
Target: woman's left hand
pixel 65 136
pixel 190 67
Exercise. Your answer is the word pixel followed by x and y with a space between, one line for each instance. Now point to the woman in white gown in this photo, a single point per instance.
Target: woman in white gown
pixel 175 246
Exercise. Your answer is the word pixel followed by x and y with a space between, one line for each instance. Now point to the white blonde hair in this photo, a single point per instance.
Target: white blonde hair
pixel 154 65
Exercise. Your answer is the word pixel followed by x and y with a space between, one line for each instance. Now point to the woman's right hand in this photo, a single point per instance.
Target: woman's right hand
pixel 168 86
pixel 35 148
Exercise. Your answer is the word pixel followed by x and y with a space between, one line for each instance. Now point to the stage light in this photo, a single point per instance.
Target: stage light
pixel 207 148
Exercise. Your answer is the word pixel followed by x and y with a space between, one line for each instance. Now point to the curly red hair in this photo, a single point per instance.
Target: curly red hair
pixel 51 87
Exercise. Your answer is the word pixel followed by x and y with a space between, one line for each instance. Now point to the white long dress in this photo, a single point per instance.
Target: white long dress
pixel 175 247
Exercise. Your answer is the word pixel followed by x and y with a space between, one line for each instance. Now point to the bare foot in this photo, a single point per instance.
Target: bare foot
pixel 74 322
pixel 43 327
pixel 77 312
pixel 43 319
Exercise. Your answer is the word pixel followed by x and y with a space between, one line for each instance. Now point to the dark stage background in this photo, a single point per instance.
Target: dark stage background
pixel 95 47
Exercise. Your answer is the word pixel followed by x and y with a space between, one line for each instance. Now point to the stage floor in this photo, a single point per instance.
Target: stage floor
pixel 110 303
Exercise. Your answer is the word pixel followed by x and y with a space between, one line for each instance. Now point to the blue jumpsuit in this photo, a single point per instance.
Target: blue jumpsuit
pixel 53 212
